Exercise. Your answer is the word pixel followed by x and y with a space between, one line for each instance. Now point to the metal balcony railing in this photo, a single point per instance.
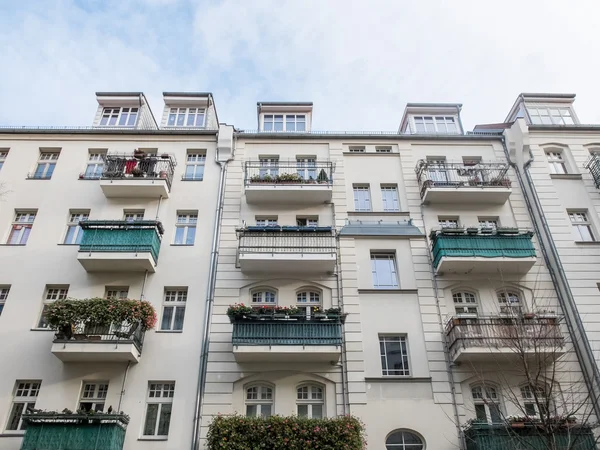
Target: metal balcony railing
pixel 294 172
pixel 516 333
pixel 292 240
pixel 593 165
pixel 287 332
pixel 432 174
pixel 139 166
pixel 121 236
pixel 98 334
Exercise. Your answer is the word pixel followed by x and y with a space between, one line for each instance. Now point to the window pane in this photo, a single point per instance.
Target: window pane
pixel 70 238
pixel 151 415
pixel 480 413
pixel 179 233
pixel 179 316
pixel 495 414
pixel 265 410
pixel 167 318
pixel 302 410
pixel 164 420
pixel 15 416
pixel 251 410
pixel 191 235
pixel 317 411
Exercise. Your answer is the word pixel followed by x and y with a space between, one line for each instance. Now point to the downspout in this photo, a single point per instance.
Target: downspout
pixel 123 386
pixel 142 296
pixel 444 341
pixel 581 345
pixel 210 295
pixel 158 207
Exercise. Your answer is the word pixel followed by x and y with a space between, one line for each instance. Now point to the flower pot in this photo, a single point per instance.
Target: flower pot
pixel 162 174
pixel 518 425
pixel 80 337
pixel 139 154
pixel 164 156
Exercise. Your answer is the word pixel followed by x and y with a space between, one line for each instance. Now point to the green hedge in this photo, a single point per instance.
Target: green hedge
pixel 289 433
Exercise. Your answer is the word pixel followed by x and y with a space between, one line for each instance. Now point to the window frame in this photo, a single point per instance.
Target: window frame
pixel 186 113
pixel 269 122
pixel 261 294
pixel 357 149
pixel 21 226
pixel 578 225
pixel 389 256
pixel 75 216
pixel 307 306
pixel 394 197
pixel 268 165
pixel 119 113
pixel 186 220
pixel 3 155
pixel 309 221
pixel 365 189
pixel 259 402
pixel 557 162
pixel 484 401
pixel 51 294
pixel 448 222
pixel 196 160
pixel 162 388
pixel 133 215
pixel 438 123
pixel 28 401
pixel 488 222
pixel 383 149
pixel 45 165
pixel 311 402
pixel 116 292
pixel 174 299
pixel 306 167
pixel 404 445
pixel 531 403
pixel 4 293
pixel 99 393
pixel 401 339
pixel 463 295
pixel 95 160
pixel 508 307
pixel 551 117
pixel 266 221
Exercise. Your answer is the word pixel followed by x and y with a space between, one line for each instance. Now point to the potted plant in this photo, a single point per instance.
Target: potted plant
pixel 137 172
pixel 322 178
pixel 529 316
pixel 507 230
pixel 81 176
pixel 487 230
pixel 239 311
pixel 472 230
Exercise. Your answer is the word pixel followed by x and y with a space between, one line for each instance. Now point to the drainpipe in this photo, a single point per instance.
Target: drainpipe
pixel 567 303
pixel 158 207
pixel 142 296
pixel 210 294
pixel 123 386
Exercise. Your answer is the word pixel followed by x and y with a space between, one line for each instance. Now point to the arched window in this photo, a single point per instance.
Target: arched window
pixel 510 302
pixel 487 403
pixel 308 299
pixel 264 297
pixel 259 401
pixel 535 401
pixel 404 440
pixel 464 302
pixel 310 401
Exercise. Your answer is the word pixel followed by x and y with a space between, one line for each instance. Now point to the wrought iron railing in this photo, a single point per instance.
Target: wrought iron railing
pixel 287 332
pixel 294 172
pixel 115 333
pixel 516 333
pixel 593 165
pixel 139 166
pixel 432 174
pixel 121 236
pixel 296 240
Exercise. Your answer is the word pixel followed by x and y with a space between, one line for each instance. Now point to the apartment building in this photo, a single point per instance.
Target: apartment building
pixel 124 208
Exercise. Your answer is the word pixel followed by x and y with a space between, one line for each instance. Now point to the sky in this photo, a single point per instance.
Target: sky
pixel 360 62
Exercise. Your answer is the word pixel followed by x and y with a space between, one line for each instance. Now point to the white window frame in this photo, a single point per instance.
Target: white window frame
pixel 51 294
pixel 556 162
pixel 259 396
pixel 306 167
pixel 25 393
pixel 186 117
pixel 133 215
pixel 73 227
pixel 403 445
pixel 362 197
pixel 3 155
pixel 488 222
pixel 582 227
pixel 510 302
pixel 270 120
pixel 312 221
pixel 268 165
pixel 194 165
pixel 175 300
pixel 4 292
pixel 95 165
pixel 383 149
pixel 465 302
pixel 186 221
pixel 266 221
pixel 160 393
pixel 263 296
pixel 47 163
pixel 21 227
pixel 114 116
pixel 357 149
pixel 94 393
pixel 116 292
pixel 384 341
pixel 488 397
pixel 448 222
pixel 310 395
pixel 550 115
pixel 436 124
pixel 307 299
pixel 376 266
pixel 529 402
pixel 389 198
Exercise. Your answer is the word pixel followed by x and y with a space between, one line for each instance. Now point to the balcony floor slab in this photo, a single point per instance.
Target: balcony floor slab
pixel 117 261
pixel 287 353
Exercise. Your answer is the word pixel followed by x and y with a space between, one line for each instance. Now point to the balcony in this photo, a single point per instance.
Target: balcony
pixel 441 182
pixel 287 340
pixel 593 165
pixel 483 436
pixel 293 182
pixel 504 338
pixel 137 175
pixel 46 431
pixel 275 249
pixel 482 251
pixel 120 246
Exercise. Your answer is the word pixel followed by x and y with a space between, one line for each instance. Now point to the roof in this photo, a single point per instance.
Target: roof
pixel 119 94
pixel 187 94
pixel 492 126
pixel 545 94
pixel 434 105
pixel 284 104
pixel 363 228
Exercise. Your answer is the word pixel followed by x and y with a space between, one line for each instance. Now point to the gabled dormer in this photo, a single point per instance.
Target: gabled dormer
pixel 431 118
pixel 124 110
pixel 189 110
pixel 544 109
pixel 294 117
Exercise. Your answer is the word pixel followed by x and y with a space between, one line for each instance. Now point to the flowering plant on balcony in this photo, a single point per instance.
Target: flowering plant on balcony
pixel 239 311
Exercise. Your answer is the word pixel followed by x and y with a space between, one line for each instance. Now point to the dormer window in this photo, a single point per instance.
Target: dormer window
pixel 186 117
pixel 435 124
pixel 292 122
pixel 542 115
pixel 119 117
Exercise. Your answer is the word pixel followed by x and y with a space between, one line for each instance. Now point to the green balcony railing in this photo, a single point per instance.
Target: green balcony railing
pixel 459 243
pixel 483 436
pixel 287 332
pixel 121 236
pixel 74 432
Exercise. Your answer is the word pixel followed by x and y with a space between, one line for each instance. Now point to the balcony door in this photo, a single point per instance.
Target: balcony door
pixel 305 168
pixel 437 171
pixel 269 166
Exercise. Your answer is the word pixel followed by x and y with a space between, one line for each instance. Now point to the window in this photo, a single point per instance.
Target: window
pixel 535 401
pixel 309 399
pixel 3 155
pixel 489 223
pixel 356 149
pixel 509 302
pixel 264 297
pixel 51 294
pixel 45 165
pixel 116 293
pixel 174 309
pixel 383 149
pixel 93 396
pixel 158 408
pixel 383 268
pixel 307 300
pixel 435 124
pixel 259 401
pixel 133 215
pixel 403 440
pixel 448 222
pixel 394 355
pixel 185 229
pixel 487 404
pixel 437 170
pixel 268 166
pixel 4 290
pixel 293 122
pixel 95 166
pixel 362 198
pixel 122 117
pixel 550 116
pixel 464 303
pixel 305 168
pixel 186 117
pixel 74 231
pixel 266 221
pixel 556 162
pixel 194 168
pixel 582 227
pixel 24 397
pixel 21 227
pixel 389 197
pixel 307 221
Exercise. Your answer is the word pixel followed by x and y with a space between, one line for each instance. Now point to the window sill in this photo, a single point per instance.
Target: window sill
pixel 12 434
pixel 41 329
pixel 396 378
pixel 365 153
pixel 169 331
pixel 69 245
pixel 587 242
pixel 150 438
pixel 565 176
pixel 33 178
pixel 13 245
pixel 182 245
pixel 192 179
pixel 378 213
pixel 387 291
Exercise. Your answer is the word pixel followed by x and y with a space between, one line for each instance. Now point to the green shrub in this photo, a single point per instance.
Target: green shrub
pixel 285 433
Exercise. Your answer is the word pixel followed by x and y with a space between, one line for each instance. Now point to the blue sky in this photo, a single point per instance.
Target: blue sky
pixel 359 62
